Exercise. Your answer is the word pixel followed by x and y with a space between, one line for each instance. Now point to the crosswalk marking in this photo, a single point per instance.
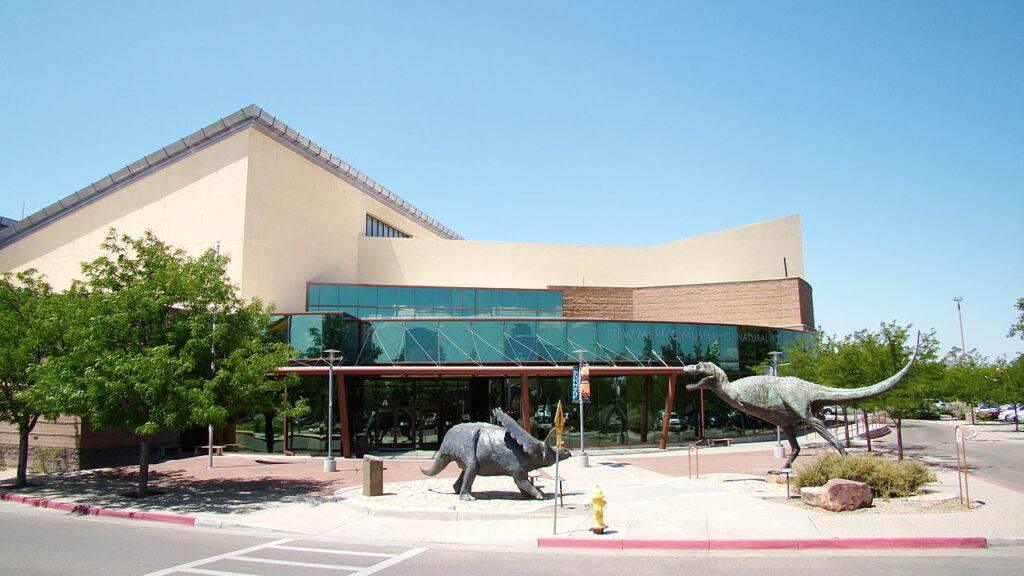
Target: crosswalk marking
pixel 204 567
pixel 328 551
pixel 298 564
pixel 205 572
pixel 391 562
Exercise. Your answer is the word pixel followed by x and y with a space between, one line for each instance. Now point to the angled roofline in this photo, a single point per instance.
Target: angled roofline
pixel 250 116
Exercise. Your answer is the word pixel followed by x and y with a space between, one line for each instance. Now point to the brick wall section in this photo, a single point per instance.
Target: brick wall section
pixel 596 302
pixel 777 303
pixel 60 433
pixel 66 444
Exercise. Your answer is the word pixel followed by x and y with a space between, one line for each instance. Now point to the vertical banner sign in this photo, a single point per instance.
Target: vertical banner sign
pixel 585 383
pixel 576 384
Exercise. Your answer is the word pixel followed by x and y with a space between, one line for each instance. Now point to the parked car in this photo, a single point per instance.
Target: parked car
pixel 1008 413
pixel 674 423
pixel 987 411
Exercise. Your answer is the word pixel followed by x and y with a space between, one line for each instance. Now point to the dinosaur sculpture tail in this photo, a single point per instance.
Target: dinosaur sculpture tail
pixel 846 396
pixel 440 462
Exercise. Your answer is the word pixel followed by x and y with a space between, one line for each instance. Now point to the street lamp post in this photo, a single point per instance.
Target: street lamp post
pixel 963 351
pixel 329 463
pixel 960 317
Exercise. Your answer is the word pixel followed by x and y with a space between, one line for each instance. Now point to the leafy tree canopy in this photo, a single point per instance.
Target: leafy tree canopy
pixel 30 331
pixel 160 339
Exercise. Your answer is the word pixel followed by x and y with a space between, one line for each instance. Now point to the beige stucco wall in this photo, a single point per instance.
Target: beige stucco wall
pixel 303 223
pixel 286 220
pixel 190 204
pixel 753 252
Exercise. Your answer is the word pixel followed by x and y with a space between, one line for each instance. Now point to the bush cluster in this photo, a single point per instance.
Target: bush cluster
pixel 887 478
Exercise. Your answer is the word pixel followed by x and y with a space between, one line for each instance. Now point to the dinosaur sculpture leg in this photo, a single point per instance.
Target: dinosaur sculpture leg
pixel 522 480
pixel 464 485
pixel 793 445
pixel 822 431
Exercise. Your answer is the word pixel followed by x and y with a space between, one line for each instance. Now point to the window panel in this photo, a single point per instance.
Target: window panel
pixel 421 342
pixel 612 339
pixel 487 340
pixel 521 341
pixel 346 295
pixel 455 342
pixel 304 334
pixel 582 335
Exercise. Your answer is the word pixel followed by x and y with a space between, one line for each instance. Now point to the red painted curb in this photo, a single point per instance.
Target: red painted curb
pixel 93 511
pixel 967 542
pixel 665 544
pixel 847 544
pixel 794 544
pixel 772 544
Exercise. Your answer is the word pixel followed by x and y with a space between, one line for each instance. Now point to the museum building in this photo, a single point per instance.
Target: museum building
pixel 430 329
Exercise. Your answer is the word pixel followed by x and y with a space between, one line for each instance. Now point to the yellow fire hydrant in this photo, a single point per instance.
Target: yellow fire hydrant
pixel 597 504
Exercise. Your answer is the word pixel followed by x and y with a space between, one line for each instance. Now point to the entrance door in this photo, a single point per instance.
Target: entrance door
pixel 412 414
pixel 404 427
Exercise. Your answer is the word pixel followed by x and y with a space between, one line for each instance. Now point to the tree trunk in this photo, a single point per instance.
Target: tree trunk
pixel 899 438
pixel 846 427
pixel 867 428
pixel 268 431
pixel 143 467
pixel 24 429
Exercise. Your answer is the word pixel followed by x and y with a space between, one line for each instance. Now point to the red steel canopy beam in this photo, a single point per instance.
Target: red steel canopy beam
pixel 473 370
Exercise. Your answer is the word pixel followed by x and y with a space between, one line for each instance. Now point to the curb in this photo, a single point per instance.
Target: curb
pixel 94 511
pixel 769 544
pixel 796 544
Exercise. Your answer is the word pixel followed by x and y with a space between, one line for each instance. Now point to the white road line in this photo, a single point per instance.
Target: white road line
pixel 390 562
pixel 329 551
pixel 233 553
pixel 217 572
pixel 296 563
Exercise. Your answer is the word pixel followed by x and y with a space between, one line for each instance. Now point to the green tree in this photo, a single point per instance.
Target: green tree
pixel 1017 328
pixel 964 378
pixel 30 332
pixel 160 340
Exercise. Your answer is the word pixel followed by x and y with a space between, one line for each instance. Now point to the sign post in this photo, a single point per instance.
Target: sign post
pixel 559 426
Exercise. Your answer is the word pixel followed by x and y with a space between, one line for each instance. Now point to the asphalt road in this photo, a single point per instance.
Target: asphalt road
pixel 1000 462
pixel 46 542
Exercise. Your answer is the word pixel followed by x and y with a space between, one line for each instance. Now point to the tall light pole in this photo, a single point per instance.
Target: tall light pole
pixel 960 316
pixel 963 351
pixel 329 464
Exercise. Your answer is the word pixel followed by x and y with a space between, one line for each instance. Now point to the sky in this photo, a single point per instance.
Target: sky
pixel 895 129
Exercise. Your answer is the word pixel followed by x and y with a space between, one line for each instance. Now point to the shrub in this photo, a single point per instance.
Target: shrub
pixel 887 478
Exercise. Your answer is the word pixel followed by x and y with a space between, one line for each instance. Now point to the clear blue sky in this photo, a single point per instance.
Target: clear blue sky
pixel 896 129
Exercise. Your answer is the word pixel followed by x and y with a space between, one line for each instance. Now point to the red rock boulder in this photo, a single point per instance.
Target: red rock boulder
pixel 838 495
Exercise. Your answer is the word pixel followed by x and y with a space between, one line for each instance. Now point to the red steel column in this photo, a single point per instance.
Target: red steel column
pixel 524 400
pixel 346 442
pixel 670 398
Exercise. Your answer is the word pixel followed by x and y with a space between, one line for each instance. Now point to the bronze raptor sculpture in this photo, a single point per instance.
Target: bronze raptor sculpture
pixel 785 400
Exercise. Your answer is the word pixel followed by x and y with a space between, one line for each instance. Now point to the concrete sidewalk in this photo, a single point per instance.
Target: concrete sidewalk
pixel 655 499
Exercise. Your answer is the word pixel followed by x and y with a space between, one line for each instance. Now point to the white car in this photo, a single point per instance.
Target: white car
pixel 1008 414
